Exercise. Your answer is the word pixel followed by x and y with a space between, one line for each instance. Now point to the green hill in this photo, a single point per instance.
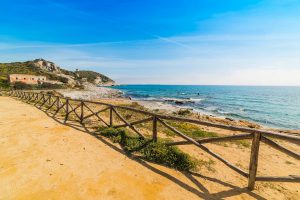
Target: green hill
pixel 52 72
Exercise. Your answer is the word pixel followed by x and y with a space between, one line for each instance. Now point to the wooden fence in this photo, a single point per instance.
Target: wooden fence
pixel 79 108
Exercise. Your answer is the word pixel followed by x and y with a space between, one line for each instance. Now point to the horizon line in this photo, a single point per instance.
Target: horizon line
pixel 207 85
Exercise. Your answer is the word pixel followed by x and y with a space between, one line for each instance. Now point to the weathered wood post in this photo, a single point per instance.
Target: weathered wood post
pixel 110 116
pixel 154 128
pixel 44 100
pixel 57 103
pixel 253 160
pixel 81 114
pixel 29 97
pixel 67 109
pixel 50 98
pixel 37 98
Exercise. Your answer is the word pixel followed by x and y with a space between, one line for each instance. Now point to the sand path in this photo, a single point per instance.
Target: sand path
pixel 41 158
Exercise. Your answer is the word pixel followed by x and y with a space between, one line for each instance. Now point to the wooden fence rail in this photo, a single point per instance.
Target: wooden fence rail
pixel 79 109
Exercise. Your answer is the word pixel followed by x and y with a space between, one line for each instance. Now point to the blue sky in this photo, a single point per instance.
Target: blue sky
pixel 233 42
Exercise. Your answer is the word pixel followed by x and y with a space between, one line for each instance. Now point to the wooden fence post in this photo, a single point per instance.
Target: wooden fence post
pixel 81 114
pixel 67 109
pixel 111 116
pixel 154 128
pixel 57 103
pixel 253 160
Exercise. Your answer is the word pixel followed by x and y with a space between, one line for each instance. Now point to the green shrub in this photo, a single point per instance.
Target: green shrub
pixel 184 112
pixel 22 86
pixel 152 151
pixel 48 86
pixel 4 84
pixel 114 134
pixel 168 155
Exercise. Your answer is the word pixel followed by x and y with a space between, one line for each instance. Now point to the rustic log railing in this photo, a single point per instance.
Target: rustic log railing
pixel 79 109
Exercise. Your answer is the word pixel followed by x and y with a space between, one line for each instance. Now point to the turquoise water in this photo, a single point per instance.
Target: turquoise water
pixel 277 107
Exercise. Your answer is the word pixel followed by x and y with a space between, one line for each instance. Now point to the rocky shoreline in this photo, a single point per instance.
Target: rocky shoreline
pixel 168 106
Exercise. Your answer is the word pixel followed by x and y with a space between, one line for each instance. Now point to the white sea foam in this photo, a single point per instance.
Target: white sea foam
pixel 196 99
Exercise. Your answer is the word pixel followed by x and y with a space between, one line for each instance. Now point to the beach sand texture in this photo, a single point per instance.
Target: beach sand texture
pixel 44 159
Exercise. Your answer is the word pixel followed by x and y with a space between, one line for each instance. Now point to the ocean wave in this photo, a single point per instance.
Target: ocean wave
pixel 196 99
pixel 223 112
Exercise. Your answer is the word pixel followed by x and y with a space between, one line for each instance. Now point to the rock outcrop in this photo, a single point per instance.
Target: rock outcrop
pixel 46 65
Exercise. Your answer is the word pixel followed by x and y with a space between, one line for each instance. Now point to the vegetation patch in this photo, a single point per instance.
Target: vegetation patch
pixel 92 76
pixel 207 164
pixel 24 86
pixel 4 84
pixel 149 150
pixel 191 130
pixel 183 112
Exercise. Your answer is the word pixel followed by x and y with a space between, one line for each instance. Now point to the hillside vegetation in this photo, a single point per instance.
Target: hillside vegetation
pixel 93 76
pixel 52 72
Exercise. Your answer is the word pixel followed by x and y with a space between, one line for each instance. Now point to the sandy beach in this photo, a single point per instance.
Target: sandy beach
pixel 91 92
pixel 42 158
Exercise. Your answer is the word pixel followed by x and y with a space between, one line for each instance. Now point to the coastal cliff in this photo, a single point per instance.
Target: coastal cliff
pixel 53 72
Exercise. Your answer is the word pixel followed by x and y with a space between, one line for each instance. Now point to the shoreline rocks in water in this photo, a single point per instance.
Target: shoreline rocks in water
pixel 179 101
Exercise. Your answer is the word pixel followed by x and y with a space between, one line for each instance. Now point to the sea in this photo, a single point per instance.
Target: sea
pixel 269 106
